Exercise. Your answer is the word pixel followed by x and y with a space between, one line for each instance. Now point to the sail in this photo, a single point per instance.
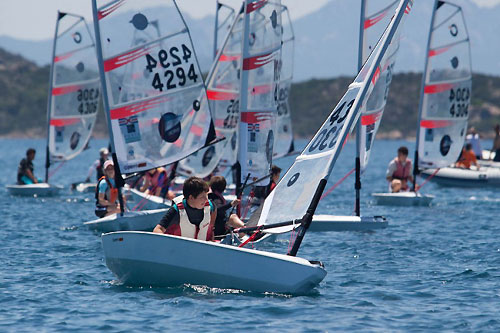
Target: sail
pixel 446 88
pixel 259 82
pixel 223 90
pixel 375 17
pixel 74 88
pixel 283 139
pixel 154 92
pixel 293 194
pixel 224 18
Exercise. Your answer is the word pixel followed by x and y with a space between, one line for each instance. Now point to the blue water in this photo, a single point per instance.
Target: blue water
pixel 432 269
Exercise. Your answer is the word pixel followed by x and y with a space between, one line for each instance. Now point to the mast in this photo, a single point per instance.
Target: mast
pixel 119 182
pixel 216 27
pixel 60 15
pixel 422 87
pixel 357 182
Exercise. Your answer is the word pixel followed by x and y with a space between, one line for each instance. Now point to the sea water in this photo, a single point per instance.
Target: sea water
pixel 433 269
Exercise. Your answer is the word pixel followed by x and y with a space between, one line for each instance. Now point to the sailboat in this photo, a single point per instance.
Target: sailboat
pixel 444 99
pixel 73 101
pixel 153 94
pixel 133 256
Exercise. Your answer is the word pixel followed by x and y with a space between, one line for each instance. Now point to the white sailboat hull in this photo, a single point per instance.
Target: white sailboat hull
pixel 86 187
pixel 30 190
pixel 140 221
pixel 485 176
pixel 148 259
pixel 322 223
pixel 147 201
pixel 403 199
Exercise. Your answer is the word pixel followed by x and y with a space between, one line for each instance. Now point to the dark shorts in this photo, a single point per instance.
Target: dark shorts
pixel 101 212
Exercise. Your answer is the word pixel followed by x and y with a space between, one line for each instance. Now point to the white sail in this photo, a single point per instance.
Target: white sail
pixel 154 91
pixel 259 82
pixel 223 90
pixel 283 138
pixel 224 18
pixel 293 194
pixel 376 15
pixel 74 88
pixel 446 88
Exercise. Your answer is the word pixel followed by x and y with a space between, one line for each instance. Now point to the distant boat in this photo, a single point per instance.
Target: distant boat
pixel 444 99
pixel 73 101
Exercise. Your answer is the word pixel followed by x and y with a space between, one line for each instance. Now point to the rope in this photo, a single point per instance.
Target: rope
pixel 428 178
pixel 251 238
pixel 247 206
pixel 330 190
pixel 55 170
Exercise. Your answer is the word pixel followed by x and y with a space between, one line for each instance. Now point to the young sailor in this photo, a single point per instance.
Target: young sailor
pixel 467 158
pixel 25 173
pixel 106 194
pixel 399 171
pixel 156 183
pixel 473 138
pixel 98 164
pixel 222 222
pixel 193 217
pixel 275 177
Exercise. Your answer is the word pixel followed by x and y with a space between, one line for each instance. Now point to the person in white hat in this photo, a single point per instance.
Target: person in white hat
pixel 98 164
pixel 106 193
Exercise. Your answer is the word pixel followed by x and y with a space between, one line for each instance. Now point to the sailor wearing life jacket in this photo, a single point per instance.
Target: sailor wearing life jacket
pixel 98 165
pixel 106 194
pixel 156 183
pixel 193 217
pixel 223 222
pixel 399 171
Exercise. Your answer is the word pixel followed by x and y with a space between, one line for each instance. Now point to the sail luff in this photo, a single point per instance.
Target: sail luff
pixel 216 28
pixel 49 99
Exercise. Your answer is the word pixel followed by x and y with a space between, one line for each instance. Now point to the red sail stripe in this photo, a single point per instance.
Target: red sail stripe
pixel 63 56
pixel 64 121
pixel 124 59
pixel 130 110
pixel 376 76
pixel 219 123
pixel 438 51
pixel 437 88
pixel 196 130
pixel 408 8
pixel 65 90
pixel 435 123
pixel 263 89
pixel 229 57
pixel 255 5
pixel 103 13
pixel 214 95
pixel 371 118
pixel 257 61
pixel 375 20
pixel 255 117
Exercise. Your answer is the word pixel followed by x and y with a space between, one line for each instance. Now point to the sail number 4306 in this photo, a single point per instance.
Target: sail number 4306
pixel 174 75
pixel 459 99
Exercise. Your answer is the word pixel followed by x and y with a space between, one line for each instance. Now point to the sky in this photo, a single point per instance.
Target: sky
pixel 35 19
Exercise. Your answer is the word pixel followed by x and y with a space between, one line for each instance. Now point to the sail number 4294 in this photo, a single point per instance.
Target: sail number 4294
pixel 175 75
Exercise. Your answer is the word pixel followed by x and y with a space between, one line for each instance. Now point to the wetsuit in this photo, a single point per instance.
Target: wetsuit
pixel 22 176
pixel 222 208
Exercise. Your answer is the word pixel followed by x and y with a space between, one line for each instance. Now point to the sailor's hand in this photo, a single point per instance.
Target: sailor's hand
pixel 235 202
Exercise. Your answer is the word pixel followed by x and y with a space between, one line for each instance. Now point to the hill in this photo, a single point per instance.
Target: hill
pixel 23 101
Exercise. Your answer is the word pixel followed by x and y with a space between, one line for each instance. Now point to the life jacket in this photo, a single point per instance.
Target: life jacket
pixel 220 197
pixel 153 179
pixel 113 192
pixel 203 231
pixel 467 159
pixel 402 171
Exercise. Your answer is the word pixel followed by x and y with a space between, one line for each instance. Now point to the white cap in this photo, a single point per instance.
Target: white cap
pixel 104 151
pixel 107 164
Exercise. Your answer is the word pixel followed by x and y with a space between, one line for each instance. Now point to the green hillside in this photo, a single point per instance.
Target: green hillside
pixel 23 102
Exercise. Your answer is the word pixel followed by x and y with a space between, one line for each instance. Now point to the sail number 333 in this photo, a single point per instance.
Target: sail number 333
pixel 175 75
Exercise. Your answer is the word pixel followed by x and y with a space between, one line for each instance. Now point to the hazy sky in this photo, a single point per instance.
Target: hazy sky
pixel 35 19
